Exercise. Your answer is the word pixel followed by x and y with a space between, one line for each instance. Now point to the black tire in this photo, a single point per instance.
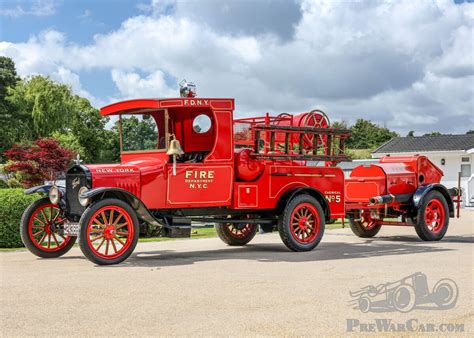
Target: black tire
pixel 25 236
pixel 84 223
pixel 358 228
pixel 422 228
pixel 289 236
pixel 236 234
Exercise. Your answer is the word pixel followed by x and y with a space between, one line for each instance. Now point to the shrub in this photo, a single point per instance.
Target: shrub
pixel 41 161
pixel 12 204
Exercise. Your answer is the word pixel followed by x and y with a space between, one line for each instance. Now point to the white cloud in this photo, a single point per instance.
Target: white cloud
pixel 406 64
pixel 132 85
pixel 36 8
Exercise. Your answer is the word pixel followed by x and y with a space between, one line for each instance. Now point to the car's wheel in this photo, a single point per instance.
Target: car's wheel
pixel 364 227
pixel 109 231
pixel 41 230
pixel 301 225
pixel 236 234
pixel 433 217
pixel 364 304
pixel 404 298
pixel 445 293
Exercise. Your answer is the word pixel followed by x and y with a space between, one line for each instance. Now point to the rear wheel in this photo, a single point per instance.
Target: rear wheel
pixel 109 232
pixel 236 234
pixel 433 217
pixel 364 227
pixel 41 226
pixel 301 226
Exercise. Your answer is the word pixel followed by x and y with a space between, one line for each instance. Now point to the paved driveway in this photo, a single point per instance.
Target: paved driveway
pixel 201 287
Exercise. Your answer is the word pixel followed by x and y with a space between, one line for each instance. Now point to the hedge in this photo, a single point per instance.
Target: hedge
pixel 12 204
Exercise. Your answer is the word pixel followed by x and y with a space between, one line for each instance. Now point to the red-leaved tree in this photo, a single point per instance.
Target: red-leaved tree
pixel 44 160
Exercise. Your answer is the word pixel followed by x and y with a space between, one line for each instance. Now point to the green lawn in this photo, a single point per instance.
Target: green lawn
pixel 210 232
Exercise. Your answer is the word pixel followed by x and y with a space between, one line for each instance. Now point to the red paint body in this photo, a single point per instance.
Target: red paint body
pixel 237 181
pixel 234 178
pixel 392 175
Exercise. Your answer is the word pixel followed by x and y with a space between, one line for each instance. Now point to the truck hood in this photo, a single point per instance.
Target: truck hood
pixel 127 175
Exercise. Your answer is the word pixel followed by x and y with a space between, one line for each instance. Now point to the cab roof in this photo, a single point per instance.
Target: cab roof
pixel 138 105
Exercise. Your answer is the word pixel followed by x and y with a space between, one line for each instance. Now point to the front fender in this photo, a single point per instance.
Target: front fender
pixel 142 211
pixel 421 192
pixel 44 189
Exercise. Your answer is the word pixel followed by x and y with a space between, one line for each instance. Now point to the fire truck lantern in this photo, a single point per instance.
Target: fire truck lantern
pixel 187 89
pixel 174 149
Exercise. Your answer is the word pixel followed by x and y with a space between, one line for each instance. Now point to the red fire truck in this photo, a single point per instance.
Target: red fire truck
pixel 200 165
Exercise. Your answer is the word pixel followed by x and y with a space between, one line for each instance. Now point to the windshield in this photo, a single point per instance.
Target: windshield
pixel 142 132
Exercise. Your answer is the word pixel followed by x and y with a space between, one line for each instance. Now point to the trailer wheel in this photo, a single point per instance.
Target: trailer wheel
pixel 109 231
pixel 433 217
pixel 236 234
pixel 365 227
pixel 40 223
pixel 301 226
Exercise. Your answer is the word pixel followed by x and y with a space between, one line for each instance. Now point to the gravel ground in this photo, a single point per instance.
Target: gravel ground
pixel 202 287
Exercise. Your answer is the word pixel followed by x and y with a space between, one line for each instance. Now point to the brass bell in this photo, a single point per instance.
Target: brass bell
pixel 174 150
pixel 174 147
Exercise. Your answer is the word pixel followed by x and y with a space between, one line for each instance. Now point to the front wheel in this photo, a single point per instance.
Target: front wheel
pixel 301 226
pixel 109 231
pixel 41 226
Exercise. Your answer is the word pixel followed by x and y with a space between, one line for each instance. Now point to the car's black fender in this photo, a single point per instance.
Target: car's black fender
pixel 142 211
pixel 45 188
pixel 421 192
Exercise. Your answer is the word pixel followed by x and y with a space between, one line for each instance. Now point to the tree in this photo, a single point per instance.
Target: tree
pixel 434 133
pixel 44 108
pixel 366 134
pixel 138 134
pixel 411 133
pixel 43 160
pixel 470 132
pixel 340 125
pixel 47 104
pixel 8 79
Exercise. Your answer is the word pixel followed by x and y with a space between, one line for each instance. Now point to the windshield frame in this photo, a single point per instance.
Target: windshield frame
pixel 146 112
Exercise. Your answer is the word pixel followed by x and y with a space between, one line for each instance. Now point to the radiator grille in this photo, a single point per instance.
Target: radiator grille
pixel 76 178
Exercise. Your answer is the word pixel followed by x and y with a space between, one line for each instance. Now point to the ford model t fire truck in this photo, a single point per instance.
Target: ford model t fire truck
pixel 202 165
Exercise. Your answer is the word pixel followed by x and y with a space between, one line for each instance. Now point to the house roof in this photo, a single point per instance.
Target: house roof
pixel 427 143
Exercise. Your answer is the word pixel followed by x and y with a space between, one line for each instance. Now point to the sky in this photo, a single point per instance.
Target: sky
pixel 406 65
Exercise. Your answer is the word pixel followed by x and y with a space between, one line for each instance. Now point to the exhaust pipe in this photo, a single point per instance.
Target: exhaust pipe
pixel 387 199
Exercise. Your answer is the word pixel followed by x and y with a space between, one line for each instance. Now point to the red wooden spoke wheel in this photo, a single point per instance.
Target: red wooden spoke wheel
pixel 236 234
pixel 305 223
pixel 43 228
pixel 435 215
pixel 110 232
pixel 432 219
pixel 301 224
pixel 240 230
pixel 364 226
pixel 367 222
